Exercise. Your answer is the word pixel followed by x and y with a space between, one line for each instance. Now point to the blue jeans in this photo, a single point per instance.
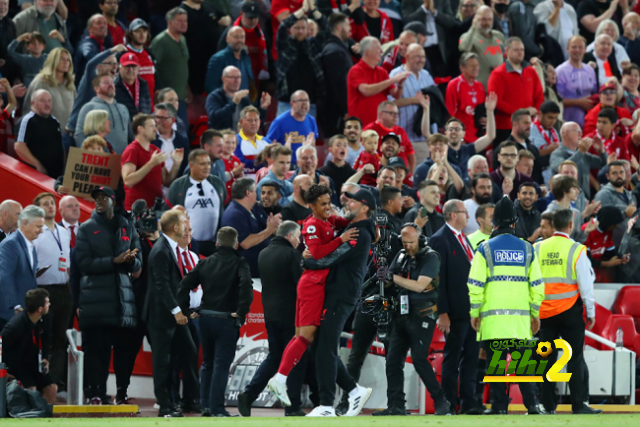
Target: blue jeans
pixel 283 107
pixel 219 338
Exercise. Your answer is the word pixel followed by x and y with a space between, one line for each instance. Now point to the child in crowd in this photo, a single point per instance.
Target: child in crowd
pixel 369 156
pixel 232 165
pixel 32 62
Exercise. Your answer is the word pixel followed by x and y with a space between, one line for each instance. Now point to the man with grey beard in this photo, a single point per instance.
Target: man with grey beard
pixel 484 42
pixel 42 17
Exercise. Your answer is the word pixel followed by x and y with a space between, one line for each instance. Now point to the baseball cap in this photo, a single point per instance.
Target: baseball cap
pixel 129 59
pixel 606 86
pixel 137 23
pixel 106 190
pixel 364 197
pixel 251 9
pixel 396 162
pixel 393 136
pixel 417 27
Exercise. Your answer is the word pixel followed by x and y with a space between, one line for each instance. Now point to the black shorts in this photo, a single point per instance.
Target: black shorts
pixel 34 379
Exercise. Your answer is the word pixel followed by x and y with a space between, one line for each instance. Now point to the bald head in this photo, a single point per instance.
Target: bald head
pixel 415 58
pixel 235 39
pixel 41 102
pixel 231 79
pixel 484 19
pixel 571 134
pixel 603 46
pixel 9 213
pixel 69 209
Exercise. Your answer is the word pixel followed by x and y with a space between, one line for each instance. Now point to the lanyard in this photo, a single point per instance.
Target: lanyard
pixel 57 239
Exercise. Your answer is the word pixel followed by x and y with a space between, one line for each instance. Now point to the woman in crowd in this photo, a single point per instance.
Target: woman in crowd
pixel 98 123
pixel 449 182
pixel 609 27
pixel 630 81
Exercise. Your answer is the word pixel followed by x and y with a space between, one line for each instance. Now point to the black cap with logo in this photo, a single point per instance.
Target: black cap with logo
pixel 251 9
pixel 364 197
pixel 106 190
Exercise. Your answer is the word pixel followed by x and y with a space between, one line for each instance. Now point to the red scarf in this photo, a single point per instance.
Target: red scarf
pixel 136 99
pixel 338 5
pixel 607 142
pixel 545 134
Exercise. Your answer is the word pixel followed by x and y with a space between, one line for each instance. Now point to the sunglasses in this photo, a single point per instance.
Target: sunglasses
pixel 200 190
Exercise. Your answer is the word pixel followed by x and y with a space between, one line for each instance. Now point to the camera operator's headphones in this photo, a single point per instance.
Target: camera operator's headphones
pixel 422 239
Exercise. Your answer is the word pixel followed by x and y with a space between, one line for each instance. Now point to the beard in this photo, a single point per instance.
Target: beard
pixel 483 198
pixel 617 183
pixel 351 215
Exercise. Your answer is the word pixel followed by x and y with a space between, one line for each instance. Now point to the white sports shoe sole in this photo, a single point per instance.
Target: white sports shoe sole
pixel 279 390
pixel 356 403
pixel 318 412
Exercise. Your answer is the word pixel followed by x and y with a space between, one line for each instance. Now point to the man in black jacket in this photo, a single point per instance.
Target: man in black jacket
pixel 280 270
pixel 166 322
pixel 424 214
pixel 227 293
pixel 528 227
pixel 132 91
pixel 348 266
pixel 336 63
pixel 107 251
pixel 24 338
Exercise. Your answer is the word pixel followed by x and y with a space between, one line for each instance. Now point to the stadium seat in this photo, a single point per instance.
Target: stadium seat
pixel 628 302
pixel 614 322
pixel 436 363
pixel 602 315
pixel 489 156
pixel 437 343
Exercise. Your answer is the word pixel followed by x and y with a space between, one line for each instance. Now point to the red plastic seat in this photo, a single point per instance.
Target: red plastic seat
pixel 628 330
pixel 437 342
pixel 628 302
pixel 602 316
pixel 200 125
pixel 489 156
pixel 436 363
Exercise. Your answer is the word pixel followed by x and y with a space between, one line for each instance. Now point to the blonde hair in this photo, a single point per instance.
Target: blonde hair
pixel 369 134
pixel 48 72
pixel 94 122
pixel 94 140
pixel 432 170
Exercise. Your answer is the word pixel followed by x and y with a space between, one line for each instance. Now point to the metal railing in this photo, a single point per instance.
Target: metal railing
pixel 75 374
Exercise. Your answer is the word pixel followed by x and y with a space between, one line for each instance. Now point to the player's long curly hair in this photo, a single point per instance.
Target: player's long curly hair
pixel 314 192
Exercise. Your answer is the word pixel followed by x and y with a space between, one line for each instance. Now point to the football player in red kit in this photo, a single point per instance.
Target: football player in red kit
pixel 318 231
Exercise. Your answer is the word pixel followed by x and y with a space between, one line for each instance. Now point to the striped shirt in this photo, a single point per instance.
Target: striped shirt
pixel 412 85
pixel 247 150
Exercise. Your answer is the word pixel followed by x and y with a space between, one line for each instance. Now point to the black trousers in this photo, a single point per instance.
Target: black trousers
pixel 460 360
pixel 129 355
pixel 180 362
pixel 364 333
pixel 499 397
pixel 329 367
pixel 569 326
pixel 164 341
pixel 414 334
pixel 97 344
pixel 279 334
pixel 59 315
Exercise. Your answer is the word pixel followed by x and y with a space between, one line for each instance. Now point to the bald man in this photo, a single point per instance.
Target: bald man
pixel 235 54
pixel 69 209
pixel 298 210
pixel 629 38
pixel 39 140
pixel 9 213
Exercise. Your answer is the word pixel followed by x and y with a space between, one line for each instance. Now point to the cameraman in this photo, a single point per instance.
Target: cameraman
pixel 415 270
pixel 364 329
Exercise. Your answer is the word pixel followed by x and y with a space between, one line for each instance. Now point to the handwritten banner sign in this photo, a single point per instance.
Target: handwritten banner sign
pixel 87 170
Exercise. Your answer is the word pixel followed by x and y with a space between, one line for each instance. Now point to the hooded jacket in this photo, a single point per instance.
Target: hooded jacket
pixel 121 134
pixel 106 293
pixel 608 196
pixel 348 264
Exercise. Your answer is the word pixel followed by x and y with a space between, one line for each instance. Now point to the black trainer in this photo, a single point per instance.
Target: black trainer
pixel 392 411
pixel 443 407
pixel 244 404
pixel 495 411
pixel 298 413
pixel 587 410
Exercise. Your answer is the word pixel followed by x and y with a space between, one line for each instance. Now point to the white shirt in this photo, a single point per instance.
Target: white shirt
pixel 195 297
pixel 432 38
pixel 174 245
pixel 53 248
pixel 457 233
pixel 621 54
pixel 204 210
pixel 68 226
pixel 29 248
pixel 167 147
pixel 472 224
pixel 407 113
pixel 602 77
pixel 586 278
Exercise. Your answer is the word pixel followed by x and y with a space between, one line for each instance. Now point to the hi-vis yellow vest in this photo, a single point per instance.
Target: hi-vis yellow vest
pixel 558 256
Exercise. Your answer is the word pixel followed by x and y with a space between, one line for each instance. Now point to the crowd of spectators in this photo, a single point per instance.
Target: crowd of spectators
pixel 234 109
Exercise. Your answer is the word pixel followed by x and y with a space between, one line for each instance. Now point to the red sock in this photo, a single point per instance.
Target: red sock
pixel 292 354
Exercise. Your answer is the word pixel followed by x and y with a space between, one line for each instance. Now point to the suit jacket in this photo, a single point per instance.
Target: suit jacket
pixel 613 64
pixel 453 293
pixel 163 285
pixel 443 7
pixel 16 274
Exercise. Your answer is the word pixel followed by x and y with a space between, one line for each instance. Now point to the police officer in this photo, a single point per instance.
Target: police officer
pixel 505 294
pixel 568 286
pixel 415 270
pixel 364 329
pixel 227 293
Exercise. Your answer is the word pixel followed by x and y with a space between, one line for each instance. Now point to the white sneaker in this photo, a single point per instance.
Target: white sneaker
pixel 356 403
pixel 279 390
pixel 322 411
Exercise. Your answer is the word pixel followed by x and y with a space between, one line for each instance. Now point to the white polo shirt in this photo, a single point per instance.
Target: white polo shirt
pixel 53 248
pixel 203 204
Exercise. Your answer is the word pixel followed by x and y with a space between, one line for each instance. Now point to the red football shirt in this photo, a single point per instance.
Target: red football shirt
pixel 319 239
pixel 117 34
pixel 461 100
pixel 365 107
pixel 615 144
pixel 366 158
pixel 151 185
pixel 598 243
pixel 229 164
pixel 277 7
pixel 406 147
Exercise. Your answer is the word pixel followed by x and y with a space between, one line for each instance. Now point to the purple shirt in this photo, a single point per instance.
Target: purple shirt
pixel 574 83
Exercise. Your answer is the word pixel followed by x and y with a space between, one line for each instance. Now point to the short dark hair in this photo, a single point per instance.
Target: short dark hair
pixel 314 192
pixel 608 113
pixel 353 119
pixel 627 71
pixel 562 218
pixel 139 120
pixel 37 37
pixel 271 183
pixel 41 196
pixel 387 194
pixel 240 187
pixel 548 216
pixel 336 19
pixel 227 237
pixel 562 185
pixel 482 210
pixel 385 168
pixel 505 144
pixel 194 154
pixel 453 119
pixel 615 163
pixel 515 117
pixel 477 177
pixel 34 299
pixel 208 135
pixel 549 107
pixel 528 184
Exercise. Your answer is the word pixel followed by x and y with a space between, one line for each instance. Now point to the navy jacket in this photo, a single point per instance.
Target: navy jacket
pixel 124 97
pixel 87 49
pixel 220 110
pixel 223 59
pixel 16 274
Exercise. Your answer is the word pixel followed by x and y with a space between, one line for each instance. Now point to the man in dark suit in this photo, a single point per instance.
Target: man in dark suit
pixel 461 348
pixel 166 323
pixel 336 63
pixel 280 270
pixel 9 213
pixel 19 263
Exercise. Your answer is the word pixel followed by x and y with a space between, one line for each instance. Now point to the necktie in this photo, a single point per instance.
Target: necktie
pixel 465 246
pixel 180 263
pixel 73 235
pixel 187 261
